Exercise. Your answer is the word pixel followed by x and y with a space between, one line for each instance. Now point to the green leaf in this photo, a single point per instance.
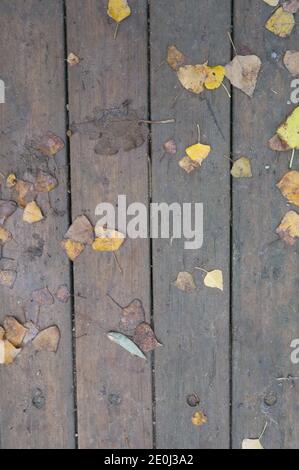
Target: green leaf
pixel 126 343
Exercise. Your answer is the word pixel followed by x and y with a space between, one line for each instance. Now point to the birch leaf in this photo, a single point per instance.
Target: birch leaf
pixel 45 182
pixel 175 58
pixel 5 235
pixel 32 213
pixel 288 230
pixel 215 77
pixel 199 419
pixel 8 352
pixel 47 340
pixel 145 338
pixel 198 152
pixel 81 231
pixel 2 333
pixel 73 249
pixel 185 282
pixel 132 315
pixel 126 343
pixel 278 145
pixel 289 187
pixel 118 10
pixel 281 23
pixel 11 180
pixel 193 77
pixel 291 6
pixel 214 279
pixel 14 331
pixel 291 61
pixel 243 72
pixel 107 239
pixel 289 131
pixel 50 144
pixel 251 444
pixel 23 193
pixel 242 168
pixel 7 208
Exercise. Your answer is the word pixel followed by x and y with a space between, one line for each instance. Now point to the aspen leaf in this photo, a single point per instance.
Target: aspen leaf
pixel 8 278
pixel 45 182
pixel 215 77
pixel 289 187
pixel 145 338
pixel 126 343
pixel 175 58
pixel 289 131
pixel 2 333
pixel 198 152
pixel 278 145
pixel 81 231
pixel 50 144
pixel 170 147
pixel 243 72
pixel 291 6
pixel 32 213
pixel 7 208
pixel 251 444
pixel 14 331
pixel 199 419
pixel 118 10
pixel 214 279
pixel 73 59
pixel 73 249
pixel 272 3
pixel 23 193
pixel 242 168
pixel 188 165
pixel 193 77
pixel 291 61
pixel 107 239
pixel 47 340
pixel 8 352
pixel 185 282
pixel 132 315
pixel 11 180
pixel 281 23
pixel 5 235
pixel 288 230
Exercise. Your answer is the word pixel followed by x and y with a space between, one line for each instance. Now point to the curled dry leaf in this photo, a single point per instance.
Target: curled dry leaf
pixel 107 239
pixel 243 72
pixel 72 249
pixel 288 230
pixel 291 6
pixel 73 59
pixel 49 144
pixel 199 419
pixel 81 231
pixel 42 297
pixel 289 187
pixel 291 61
pixel 32 213
pixel 251 444
pixel 132 315
pixel 170 147
pixel 23 193
pixel 63 294
pixel 118 10
pixel 32 332
pixel 288 132
pixel 47 340
pixel 5 235
pixel 7 208
pixel 278 145
pixel 175 58
pixel 14 331
pixel 214 279
pixel 281 23
pixel 8 352
pixel 126 343
pixel 242 168
pixel 185 282
pixel 45 182
pixel 8 278
pixel 193 77
pixel 145 338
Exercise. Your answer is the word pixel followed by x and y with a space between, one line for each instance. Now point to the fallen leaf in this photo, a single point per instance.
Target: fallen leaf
pixel 49 144
pixel 281 23
pixel 243 72
pixel 5 235
pixel 73 59
pixel 198 152
pixel 175 58
pixel 72 249
pixel 170 147
pixel 193 77
pixel 32 332
pixel 126 343
pixel 8 352
pixel 289 187
pixel 23 193
pixel 214 279
pixel 132 315
pixel 107 239
pixel 32 213
pixel 63 294
pixel 185 282
pixel 188 165
pixel 118 10
pixel 288 230
pixel 8 278
pixel 291 6
pixel 11 180
pixel 288 132
pixel 251 444
pixel 278 145
pixel 2 333
pixel 199 419
pixel 272 3
pixel 45 182
pixel 14 331
pixel 47 340
pixel 7 208
pixel 291 61
pixel 215 77
pixel 81 231
pixel 145 338
pixel 242 168
pixel 42 297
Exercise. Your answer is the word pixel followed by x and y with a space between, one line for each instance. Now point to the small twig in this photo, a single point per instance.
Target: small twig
pixel 198 133
pixel 292 159
pixel 201 269
pixel 226 89
pixel 232 42
pixel 288 379
pixel 146 121
pixel 227 158
pixel 116 31
pixel 117 263
pixel 263 431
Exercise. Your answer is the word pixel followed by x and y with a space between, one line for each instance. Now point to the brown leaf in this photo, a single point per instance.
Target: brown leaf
pixel 72 249
pixel 2 333
pixel 291 6
pixel 289 187
pixel 193 77
pixel 63 294
pixel 42 297
pixel 188 165
pixel 145 338
pixel 185 282
pixel 81 231
pixel 32 332
pixel 8 352
pixel 47 340
pixel 170 147
pixel 45 182
pixel 278 145
pixel 23 193
pixel 8 278
pixel 50 144
pixel 288 230
pixel 132 315
pixel 7 208
pixel 243 72
pixel 5 235
pixel 175 58
pixel 14 331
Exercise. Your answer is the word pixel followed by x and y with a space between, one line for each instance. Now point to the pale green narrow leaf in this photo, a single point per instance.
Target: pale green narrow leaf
pixel 126 343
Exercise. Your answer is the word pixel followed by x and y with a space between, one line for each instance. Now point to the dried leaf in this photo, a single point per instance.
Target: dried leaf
pixel 50 144
pixel 107 239
pixel 243 72
pixel 32 332
pixel 81 231
pixel 47 340
pixel 193 77
pixel 278 145
pixel 2 333
pixel 145 338
pixel 188 165
pixel 23 193
pixel 242 168
pixel 5 235
pixel 14 331
pixel 291 6
pixel 291 61
pixel 73 59
pixel 199 419
pixel 288 230
pixel 11 180
pixel 72 249
pixel 170 147
pixel 132 315
pixel 281 23
pixel 8 278
pixel 214 279
pixel 289 187
pixel 63 294
pixel 288 132
pixel 118 10
pixel 185 282
pixel 215 77
pixel 126 343
pixel 175 58
pixel 45 182
pixel 251 444
pixel 7 208
pixel 8 352
pixel 32 213
pixel 272 3
pixel 42 297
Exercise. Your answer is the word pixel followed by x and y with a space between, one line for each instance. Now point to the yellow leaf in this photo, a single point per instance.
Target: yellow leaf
pixel 107 239
pixel 289 131
pixel 193 77
pixel 5 235
pixel 73 249
pixel 242 168
pixel 8 352
pixel 214 279
pixel 198 152
pixel 118 10
pixel 281 23
pixel 198 419
pixel 11 180
pixel 32 213
pixel 215 77
pixel 289 187
pixel 251 444
pixel 288 230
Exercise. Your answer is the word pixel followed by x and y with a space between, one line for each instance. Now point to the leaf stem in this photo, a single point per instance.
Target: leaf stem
pixel 292 159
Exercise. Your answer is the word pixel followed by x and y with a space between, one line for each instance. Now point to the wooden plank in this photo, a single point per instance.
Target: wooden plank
pixel 114 388
pixel 193 328
pixel 265 282
pixel 36 402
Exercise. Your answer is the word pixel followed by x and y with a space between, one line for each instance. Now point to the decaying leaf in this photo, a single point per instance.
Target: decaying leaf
pixel 8 352
pixel 185 282
pixel 132 315
pixel 291 61
pixel 32 332
pixel 291 6
pixel 14 331
pixel 199 419
pixel 243 72
pixel 72 249
pixel 242 168
pixel 289 187
pixel 188 165
pixel 107 239
pixel 196 154
pixel 288 230
pixel 42 297
pixel 45 182
pixel 193 77
pixel 11 180
pixel 81 231
pixel 49 144
pixel 118 10
pixel 2 333
pixel 47 340
pixel 272 3
pixel 5 235
pixel 281 23
pixel 73 59
pixel 215 76
pixel 251 444
pixel 170 147
pixel 126 343
pixel 288 132
pixel 63 294
pixel 175 58
pixel 8 278
pixel 145 338
pixel 23 193
pixel 214 279
pixel 7 208
pixel 32 213
pixel 278 145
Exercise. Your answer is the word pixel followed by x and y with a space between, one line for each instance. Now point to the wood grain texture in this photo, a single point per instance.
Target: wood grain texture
pixel 114 388
pixel 194 328
pixel 265 280
pixel 32 67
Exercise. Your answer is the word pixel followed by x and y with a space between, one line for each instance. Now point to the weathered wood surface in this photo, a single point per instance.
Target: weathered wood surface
pixel 265 271
pixel 194 328
pixel 114 388
pixel 32 66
